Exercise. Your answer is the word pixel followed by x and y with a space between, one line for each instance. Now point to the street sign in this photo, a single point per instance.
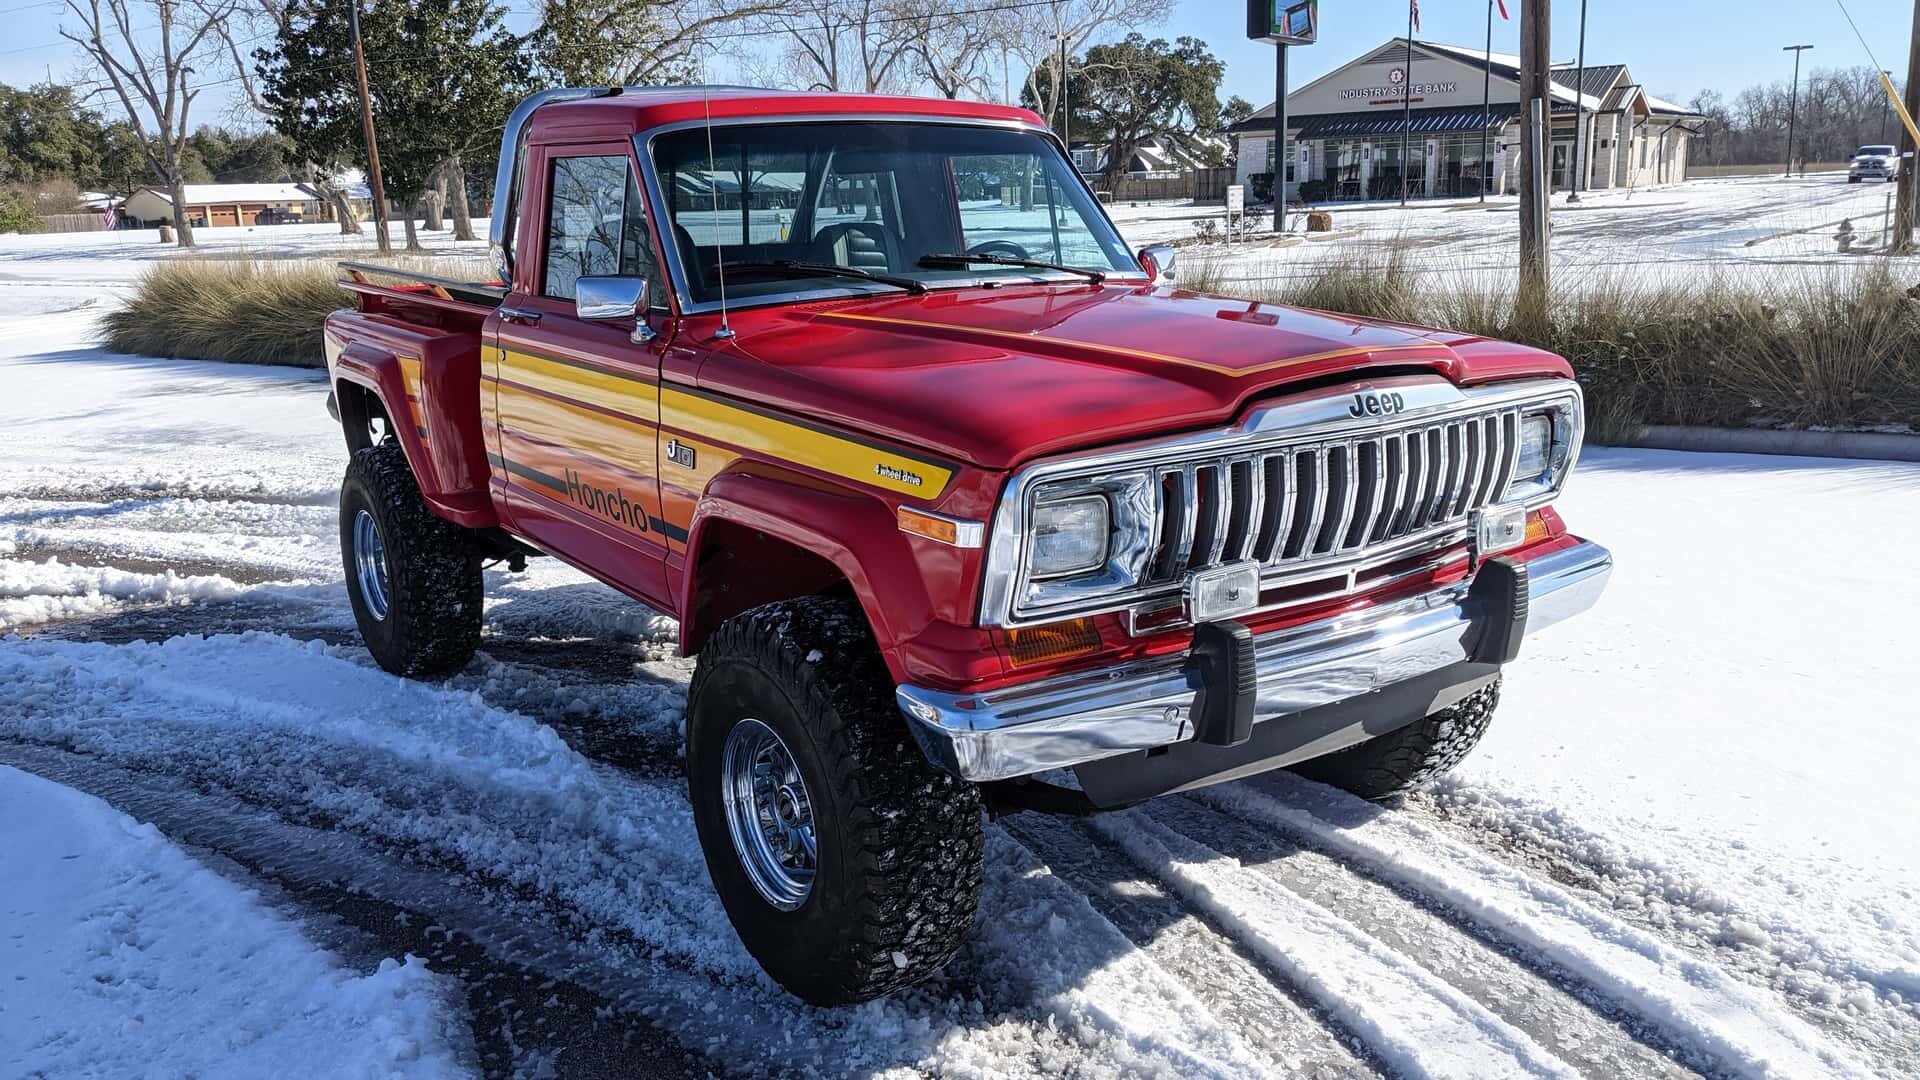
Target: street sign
pixel 1283 22
pixel 1236 198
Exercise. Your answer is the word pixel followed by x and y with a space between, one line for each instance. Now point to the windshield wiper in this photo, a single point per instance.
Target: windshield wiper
pixel 801 268
pixel 967 259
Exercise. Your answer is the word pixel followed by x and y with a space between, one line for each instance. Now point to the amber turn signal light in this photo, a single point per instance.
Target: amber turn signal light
pixel 950 531
pixel 1536 527
pixel 1054 641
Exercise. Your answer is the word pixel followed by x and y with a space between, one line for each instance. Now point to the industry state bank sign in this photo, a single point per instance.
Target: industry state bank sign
pixel 1283 22
pixel 1395 87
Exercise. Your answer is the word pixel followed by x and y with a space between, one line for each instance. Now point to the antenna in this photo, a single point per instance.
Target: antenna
pixel 713 193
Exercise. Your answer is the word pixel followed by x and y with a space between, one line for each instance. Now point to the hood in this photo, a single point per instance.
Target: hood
pixel 995 377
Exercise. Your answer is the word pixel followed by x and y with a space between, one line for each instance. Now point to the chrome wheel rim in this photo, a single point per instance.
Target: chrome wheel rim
pixel 370 564
pixel 769 814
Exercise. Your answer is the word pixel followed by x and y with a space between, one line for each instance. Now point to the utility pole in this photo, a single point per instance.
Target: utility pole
pixel 1535 117
pixel 1574 181
pixel 1903 213
pixel 1886 109
pixel 1793 103
pixel 366 124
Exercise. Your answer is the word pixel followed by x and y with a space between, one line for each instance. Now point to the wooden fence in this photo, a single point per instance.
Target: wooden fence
pixel 1200 185
pixel 89 222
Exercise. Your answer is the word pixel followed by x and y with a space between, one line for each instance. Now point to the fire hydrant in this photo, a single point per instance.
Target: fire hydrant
pixel 1844 237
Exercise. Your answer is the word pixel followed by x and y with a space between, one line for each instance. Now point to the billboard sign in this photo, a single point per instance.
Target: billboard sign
pixel 1283 22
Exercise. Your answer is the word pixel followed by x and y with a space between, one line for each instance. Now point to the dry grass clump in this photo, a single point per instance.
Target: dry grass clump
pixel 1837 349
pixel 246 312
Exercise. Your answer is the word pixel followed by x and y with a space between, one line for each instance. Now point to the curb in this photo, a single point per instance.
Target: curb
pixel 1872 445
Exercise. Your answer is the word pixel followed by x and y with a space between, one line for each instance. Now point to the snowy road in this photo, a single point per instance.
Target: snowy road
pixel 1690 845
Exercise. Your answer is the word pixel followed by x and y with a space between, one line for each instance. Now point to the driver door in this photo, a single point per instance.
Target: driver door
pixel 578 400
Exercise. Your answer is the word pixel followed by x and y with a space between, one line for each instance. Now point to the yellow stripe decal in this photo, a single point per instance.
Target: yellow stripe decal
pixel 802 445
pixel 635 397
pixel 1138 354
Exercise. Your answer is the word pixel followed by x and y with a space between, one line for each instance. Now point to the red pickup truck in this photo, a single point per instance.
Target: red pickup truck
pixel 964 507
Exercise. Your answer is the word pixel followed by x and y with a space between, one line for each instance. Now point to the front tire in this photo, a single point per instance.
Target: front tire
pixel 849 865
pixel 414 579
pixel 1412 756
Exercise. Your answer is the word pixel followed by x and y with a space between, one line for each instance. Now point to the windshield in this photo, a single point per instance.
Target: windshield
pixel 1874 151
pixel 792 207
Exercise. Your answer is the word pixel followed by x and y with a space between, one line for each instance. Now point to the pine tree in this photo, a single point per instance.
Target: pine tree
pixel 442 75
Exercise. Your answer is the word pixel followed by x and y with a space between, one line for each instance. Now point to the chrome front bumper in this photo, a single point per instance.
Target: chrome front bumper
pixel 1086 716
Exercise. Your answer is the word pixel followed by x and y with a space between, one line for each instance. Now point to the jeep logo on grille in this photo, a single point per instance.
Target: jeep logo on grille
pixel 1372 404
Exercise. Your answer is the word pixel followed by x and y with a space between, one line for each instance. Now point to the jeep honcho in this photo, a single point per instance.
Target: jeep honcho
pixel 963 507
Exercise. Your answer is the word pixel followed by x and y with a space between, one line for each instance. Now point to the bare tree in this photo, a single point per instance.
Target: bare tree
pixel 1034 35
pixel 846 45
pixel 146 68
pixel 953 52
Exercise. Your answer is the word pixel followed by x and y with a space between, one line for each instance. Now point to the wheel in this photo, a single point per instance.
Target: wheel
pixel 413 578
pixel 847 863
pixel 1406 758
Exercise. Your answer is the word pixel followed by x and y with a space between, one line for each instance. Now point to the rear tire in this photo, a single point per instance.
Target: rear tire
pixel 414 579
pixel 857 866
pixel 1409 757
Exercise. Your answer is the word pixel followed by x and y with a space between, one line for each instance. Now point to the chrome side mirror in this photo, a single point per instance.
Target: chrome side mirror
pixel 1158 261
pixel 607 299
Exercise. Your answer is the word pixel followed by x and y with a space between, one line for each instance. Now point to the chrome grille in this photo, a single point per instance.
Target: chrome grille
pixel 1330 501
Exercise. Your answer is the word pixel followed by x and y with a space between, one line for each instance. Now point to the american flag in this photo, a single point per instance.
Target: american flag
pixel 1503 8
pixel 1413 10
pixel 108 216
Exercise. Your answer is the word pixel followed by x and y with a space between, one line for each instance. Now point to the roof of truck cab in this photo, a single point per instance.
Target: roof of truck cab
pixel 635 110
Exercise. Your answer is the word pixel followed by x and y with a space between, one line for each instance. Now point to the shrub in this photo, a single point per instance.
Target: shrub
pixel 1260 187
pixel 1839 350
pixel 1315 191
pixel 17 214
pixel 245 312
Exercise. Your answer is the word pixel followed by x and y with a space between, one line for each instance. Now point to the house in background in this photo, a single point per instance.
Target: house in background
pixel 226 204
pixel 1168 156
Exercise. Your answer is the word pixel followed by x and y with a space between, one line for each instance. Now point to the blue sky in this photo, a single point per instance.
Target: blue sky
pixel 1675 47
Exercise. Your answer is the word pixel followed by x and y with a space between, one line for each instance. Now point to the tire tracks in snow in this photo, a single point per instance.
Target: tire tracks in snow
pixel 1416 1023
pixel 1588 1032
pixel 1276 1021
pixel 1696 1003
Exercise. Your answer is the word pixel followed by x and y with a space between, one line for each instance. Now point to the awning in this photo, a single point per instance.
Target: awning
pixel 1383 121
pixel 1386 121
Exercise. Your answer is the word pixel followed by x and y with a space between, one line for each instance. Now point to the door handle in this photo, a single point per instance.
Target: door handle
pixel 520 316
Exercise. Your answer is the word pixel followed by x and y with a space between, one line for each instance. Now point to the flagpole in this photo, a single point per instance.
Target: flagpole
pixel 1486 105
pixel 1406 104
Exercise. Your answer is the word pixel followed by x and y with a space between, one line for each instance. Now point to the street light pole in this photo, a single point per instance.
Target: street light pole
pixel 1579 108
pixel 1793 103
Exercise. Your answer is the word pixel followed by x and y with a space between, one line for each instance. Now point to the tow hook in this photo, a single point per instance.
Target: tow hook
pixel 1222 672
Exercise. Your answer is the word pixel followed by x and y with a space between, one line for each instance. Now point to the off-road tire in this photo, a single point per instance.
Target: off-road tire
pixel 899 843
pixel 1406 758
pixel 432 625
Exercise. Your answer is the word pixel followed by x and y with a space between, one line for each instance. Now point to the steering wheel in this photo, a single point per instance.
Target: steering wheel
pixel 1000 247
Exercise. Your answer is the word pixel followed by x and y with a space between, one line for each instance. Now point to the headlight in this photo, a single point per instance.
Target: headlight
pixel 1540 462
pixel 1536 446
pixel 1069 536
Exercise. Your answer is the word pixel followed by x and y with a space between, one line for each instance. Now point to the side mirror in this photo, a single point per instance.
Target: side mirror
pixel 1158 261
pixel 607 299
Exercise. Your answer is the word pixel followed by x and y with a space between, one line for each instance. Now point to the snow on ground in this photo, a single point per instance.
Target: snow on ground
pixel 1745 228
pixel 126 957
pixel 1687 845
